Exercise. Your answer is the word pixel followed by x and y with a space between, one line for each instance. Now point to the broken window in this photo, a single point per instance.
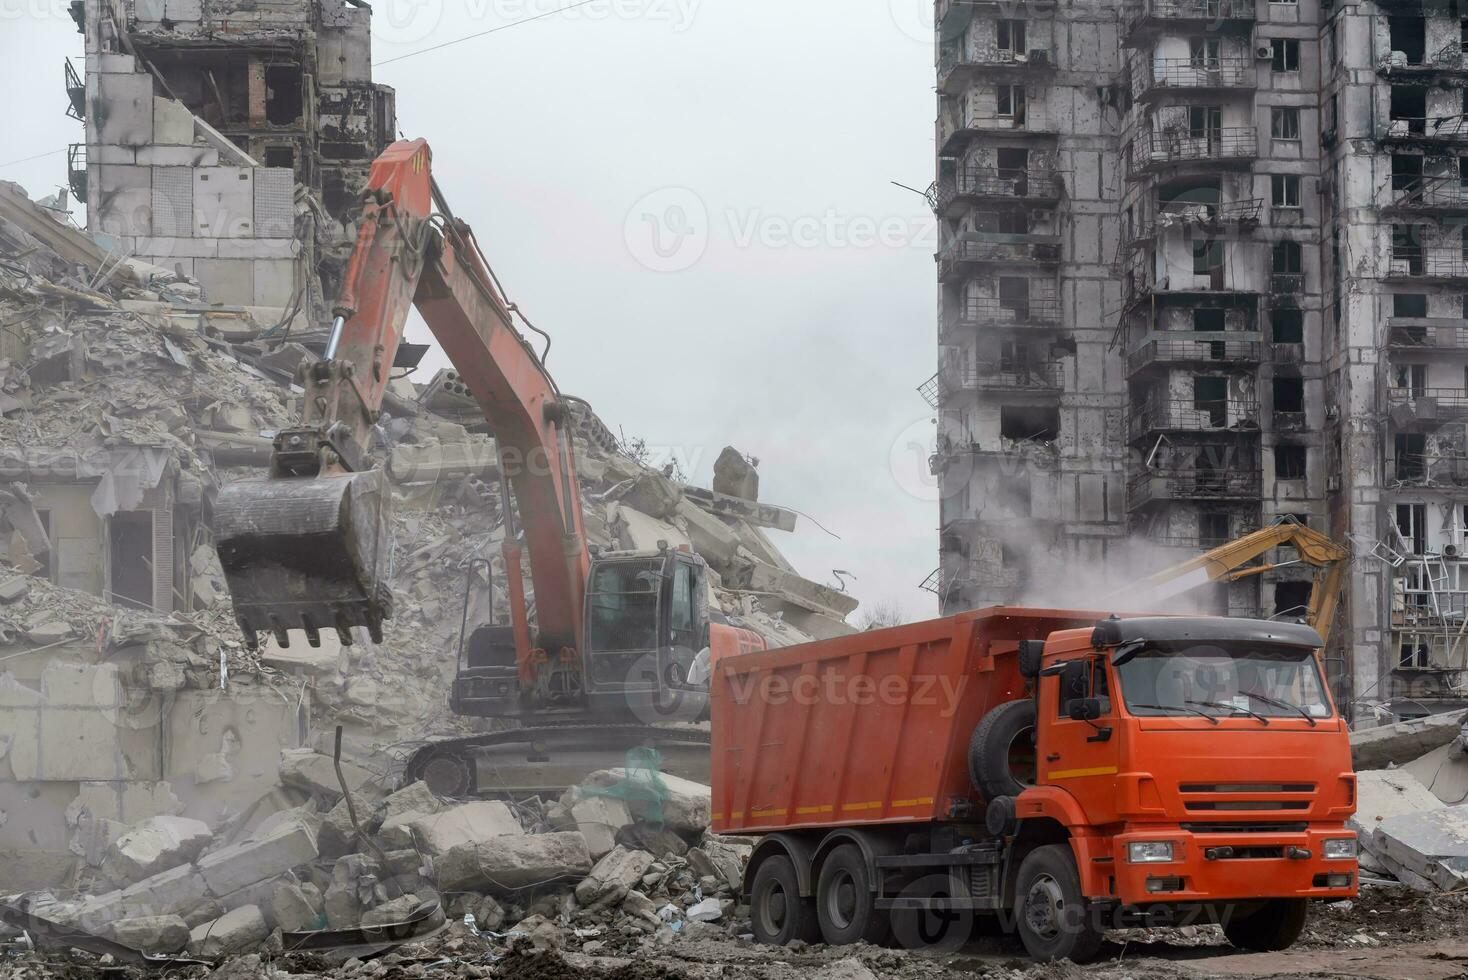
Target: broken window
pixel 1027 422
pixel 1208 319
pixel 1014 295
pixel 1205 52
pixel 1011 36
pixel 1409 455
pixel 280 156
pixel 1406 249
pixel 1011 102
pixel 283 101
pixel 1292 598
pixel 1412 523
pixel 1287 259
pixel 1289 395
pixel 1284 190
pixel 1285 123
pixel 1406 171
pixel 1210 395
pixel 1012 161
pixel 1287 325
pixel 1205 122
pixel 1284 54
pixel 1213 529
pixel 1409 36
pixel 1409 304
pixel 1207 256
pixel 1409 104
pixel 1289 462
pixel 130 558
pixel 1411 378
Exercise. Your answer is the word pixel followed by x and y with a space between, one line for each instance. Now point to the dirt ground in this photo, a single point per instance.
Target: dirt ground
pixel 1386 933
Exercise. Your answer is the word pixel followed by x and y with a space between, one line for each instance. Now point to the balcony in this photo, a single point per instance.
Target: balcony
pixel 1152 16
pixel 1009 453
pixel 1429 470
pixel 1427 334
pixel 1039 378
pixel 76 171
pixel 1446 194
pixel 965 255
pixel 1156 78
pixel 1160 486
pixel 1169 352
pixel 1447 59
pixel 1446 130
pixel 1431 404
pixel 988 312
pixel 975 184
pixel 957 125
pixel 1217 220
pixel 1221 415
pixel 1229 146
pixel 960 64
pixel 945 8
pixel 1286 283
pixel 1415 262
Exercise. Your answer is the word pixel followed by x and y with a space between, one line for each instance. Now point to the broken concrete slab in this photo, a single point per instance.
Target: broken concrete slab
pixel 504 864
pixel 396 910
pixel 653 494
pixel 600 818
pixel 757 514
pixel 1433 844
pixel 716 542
pixel 238 866
pixel 1444 770
pixel 1376 748
pixel 613 877
pixel 157 844
pixel 297 907
pixel 316 774
pixel 14 589
pixel 152 933
pixel 1383 793
pixel 678 803
pixel 439 833
pixel 718 860
pixel 230 933
pixel 802 592
pixel 735 475
pixel 414 798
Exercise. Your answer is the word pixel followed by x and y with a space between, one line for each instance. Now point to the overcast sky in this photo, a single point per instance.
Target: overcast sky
pixel 693 197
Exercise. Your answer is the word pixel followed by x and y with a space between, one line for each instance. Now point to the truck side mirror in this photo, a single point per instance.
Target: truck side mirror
pixel 1085 709
pixel 1031 653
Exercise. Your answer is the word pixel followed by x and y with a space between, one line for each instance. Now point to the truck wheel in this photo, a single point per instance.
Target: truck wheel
pixel 1001 754
pixel 1274 926
pixel 844 900
pixel 1050 913
pixel 777 913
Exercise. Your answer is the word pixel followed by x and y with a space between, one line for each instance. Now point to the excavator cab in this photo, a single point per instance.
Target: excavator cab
pixel 647 621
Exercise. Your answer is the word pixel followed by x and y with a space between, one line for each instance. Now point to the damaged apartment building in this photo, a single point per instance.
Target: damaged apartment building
pixel 1204 265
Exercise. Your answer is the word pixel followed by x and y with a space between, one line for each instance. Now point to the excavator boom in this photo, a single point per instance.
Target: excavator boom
pixel 309 546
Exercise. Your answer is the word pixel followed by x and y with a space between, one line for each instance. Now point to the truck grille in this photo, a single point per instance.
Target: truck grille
pixel 1243 828
pixel 1196 796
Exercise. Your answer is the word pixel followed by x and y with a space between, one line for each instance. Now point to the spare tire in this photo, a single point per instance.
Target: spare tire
pixel 1001 754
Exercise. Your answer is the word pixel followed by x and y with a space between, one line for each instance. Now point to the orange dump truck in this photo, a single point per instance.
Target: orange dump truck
pixel 1058 771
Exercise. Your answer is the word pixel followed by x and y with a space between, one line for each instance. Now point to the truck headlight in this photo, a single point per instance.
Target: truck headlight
pixel 1149 851
pixel 1339 849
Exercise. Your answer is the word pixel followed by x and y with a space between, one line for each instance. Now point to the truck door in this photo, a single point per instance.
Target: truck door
pixel 1079 756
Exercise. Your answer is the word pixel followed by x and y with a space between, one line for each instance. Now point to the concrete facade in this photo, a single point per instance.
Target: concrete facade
pixel 1203 264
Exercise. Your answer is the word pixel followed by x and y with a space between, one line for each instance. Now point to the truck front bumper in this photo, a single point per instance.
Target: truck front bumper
pixel 1232 866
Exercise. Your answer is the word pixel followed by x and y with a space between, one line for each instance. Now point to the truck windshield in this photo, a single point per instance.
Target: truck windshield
pixel 1259 682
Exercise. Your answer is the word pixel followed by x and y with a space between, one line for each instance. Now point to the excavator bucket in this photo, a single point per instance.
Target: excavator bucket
pixel 307 553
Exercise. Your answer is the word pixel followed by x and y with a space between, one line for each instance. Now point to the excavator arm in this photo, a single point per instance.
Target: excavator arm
pixel 309 546
pixel 1230 563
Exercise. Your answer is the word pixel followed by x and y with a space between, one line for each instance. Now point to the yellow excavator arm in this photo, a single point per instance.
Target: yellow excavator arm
pixel 1229 563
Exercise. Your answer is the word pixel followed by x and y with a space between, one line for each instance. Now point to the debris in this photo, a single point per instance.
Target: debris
pixel 157 844
pixel 1431 845
pixel 232 932
pixel 1376 748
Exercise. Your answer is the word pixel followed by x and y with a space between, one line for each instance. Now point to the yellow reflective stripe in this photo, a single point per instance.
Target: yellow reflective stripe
pixel 814 809
pixel 874 805
pixel 768 813
pixel 1077 773
pixel 921 801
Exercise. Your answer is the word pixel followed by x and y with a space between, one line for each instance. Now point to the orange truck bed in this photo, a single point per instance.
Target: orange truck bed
pixel 876 724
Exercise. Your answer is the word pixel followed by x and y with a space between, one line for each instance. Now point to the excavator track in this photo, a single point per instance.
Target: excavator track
pixel 546 759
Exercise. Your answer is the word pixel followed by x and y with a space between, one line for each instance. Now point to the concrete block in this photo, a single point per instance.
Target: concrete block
pixel 599 818
pixel 653 494
pixel 297 907
pixel 506 863
pixel 112 156
pixel 613 877
pixel 1376 748
pixel 718 860
pixel 157 844
pixel 258 248
pixel 388 913
pixel 177 156
pixel 441 832
pixel 173 123
pixel 152 933
pixel 261 895
pixel 14 589
pixel 1432 844
pixel 224 202
pixel 173 892
pixel 316 774
pixel 232 868
pixel 117 64
pixel 228 281
pixel 230 933
pixel 678 803
pixel 275 282
pixel 415 798
pixel 716 541
pixel 736 476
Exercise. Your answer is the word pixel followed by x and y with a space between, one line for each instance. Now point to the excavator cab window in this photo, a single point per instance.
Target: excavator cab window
pixel 624 607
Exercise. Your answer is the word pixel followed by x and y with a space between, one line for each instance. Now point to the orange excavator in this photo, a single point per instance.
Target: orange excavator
pixel 620 642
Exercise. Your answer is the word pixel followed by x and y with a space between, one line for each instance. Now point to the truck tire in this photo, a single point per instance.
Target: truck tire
pixel 778 915
pixel 845 905
pixel 1003 742
pixel 1274 926
pixel 1051 915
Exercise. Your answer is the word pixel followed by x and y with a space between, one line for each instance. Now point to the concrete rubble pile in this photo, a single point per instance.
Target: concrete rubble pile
pixel 1411 817
pixel 148 743
pixel 554 874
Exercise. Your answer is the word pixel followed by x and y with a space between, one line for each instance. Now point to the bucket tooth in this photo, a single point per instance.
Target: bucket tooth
pixel 313 636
